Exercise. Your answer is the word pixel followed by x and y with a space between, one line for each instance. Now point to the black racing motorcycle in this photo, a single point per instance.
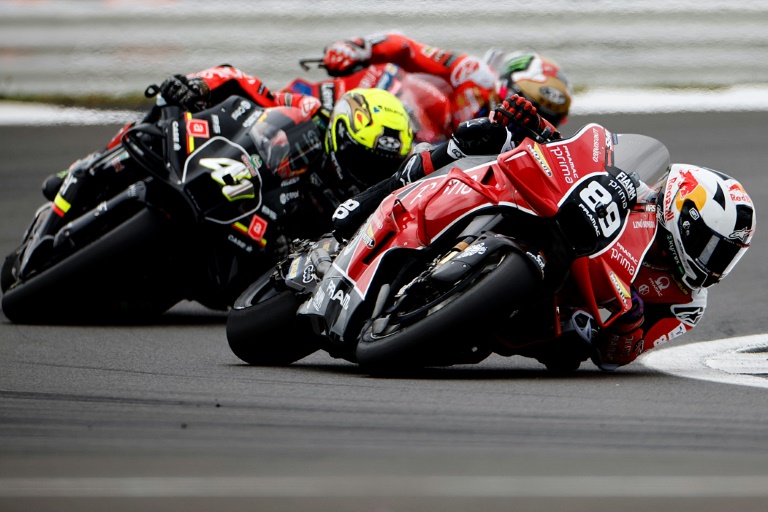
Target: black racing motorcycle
pixel 182 206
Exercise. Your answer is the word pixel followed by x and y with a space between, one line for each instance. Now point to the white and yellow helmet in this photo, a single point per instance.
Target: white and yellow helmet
pixel 709 220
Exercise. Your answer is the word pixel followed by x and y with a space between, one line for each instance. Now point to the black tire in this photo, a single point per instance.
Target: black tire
pixel 451 319
pixel 118 278
pixel 263 329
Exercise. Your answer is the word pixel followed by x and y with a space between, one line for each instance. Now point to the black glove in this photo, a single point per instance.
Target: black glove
pixel 479 137
pixel 520 117
pixel 185 92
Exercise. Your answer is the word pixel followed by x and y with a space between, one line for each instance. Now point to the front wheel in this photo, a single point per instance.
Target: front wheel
pixel 124 276
pixel 263 329
pixel 439 325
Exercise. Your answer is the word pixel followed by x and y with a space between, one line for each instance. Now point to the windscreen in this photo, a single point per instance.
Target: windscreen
pixel 646 156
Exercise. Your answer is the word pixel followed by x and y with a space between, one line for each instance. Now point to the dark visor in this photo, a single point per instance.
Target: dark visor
pixel 709 249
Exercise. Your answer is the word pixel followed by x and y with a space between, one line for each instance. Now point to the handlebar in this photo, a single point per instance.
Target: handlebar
pixel 305 63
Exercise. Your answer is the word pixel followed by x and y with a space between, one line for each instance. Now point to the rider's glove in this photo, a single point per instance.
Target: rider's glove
pixel 621 342
pixel 345 57
pixel 478 137
pixel 184 92
pixel 521 118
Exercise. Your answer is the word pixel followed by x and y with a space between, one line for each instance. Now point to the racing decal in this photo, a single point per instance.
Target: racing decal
pixel 658 284
pixel 625 259
pixel 599 206
pixel 234 170
pixel 630 191
pixel 257 229
pixel 689 315
pixel 269 212
pixel 60 206
pixel 626 297
pixel 564 162
pixel 239 243
pixel 308 275
pixel 196 128
pixel 595 145
pixel 233 175
pixel 388 80
pixel 328 95
pixel 520 63
pixel 345 208
pixel 175 136
pixel 335 294
pixel 535 150
pixel 742 235
pixel 472 250
pixel 368 237
pixel 738 194
pixel 241 109
pixel 663 331
pixel 689 189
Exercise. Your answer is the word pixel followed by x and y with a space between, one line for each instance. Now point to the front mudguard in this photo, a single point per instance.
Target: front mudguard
pixel 44 247
pixel 458 264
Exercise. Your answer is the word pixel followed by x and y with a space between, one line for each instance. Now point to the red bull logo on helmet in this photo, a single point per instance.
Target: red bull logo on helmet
pixel 690 189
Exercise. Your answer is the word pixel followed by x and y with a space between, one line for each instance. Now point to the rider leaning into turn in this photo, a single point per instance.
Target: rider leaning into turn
pixel 474 85
pixel 322 159
pixel 705 224
pixel 362 141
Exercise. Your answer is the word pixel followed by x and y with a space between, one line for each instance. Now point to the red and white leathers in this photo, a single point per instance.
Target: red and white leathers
pixel 467 81
pixel 670 308
pixel 224 81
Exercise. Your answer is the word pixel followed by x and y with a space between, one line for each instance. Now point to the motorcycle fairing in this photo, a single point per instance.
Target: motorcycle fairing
pixel 556 180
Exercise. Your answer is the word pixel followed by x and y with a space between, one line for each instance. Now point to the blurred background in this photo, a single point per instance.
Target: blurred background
pixel 115 48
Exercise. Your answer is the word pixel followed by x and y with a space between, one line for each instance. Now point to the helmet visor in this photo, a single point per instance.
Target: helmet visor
pixel 712 252
pixel 363 164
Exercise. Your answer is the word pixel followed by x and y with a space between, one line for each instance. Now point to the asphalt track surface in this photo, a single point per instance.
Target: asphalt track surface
pixel 164 417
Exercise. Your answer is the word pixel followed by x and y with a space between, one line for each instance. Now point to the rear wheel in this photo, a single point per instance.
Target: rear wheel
pixel 435 324
pixel 263 329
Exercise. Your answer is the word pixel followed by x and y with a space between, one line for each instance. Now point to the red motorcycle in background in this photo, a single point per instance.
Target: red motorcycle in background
pixel 467 263
pixel 425 97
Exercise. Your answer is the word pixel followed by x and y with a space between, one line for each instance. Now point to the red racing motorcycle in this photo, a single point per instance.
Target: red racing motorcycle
pixel 469 262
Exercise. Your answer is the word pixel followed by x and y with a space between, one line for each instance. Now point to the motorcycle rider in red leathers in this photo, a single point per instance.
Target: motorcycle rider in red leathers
pixel 705 224
pixel 474 87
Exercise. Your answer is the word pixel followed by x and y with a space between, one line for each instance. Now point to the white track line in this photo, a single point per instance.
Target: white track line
pixel 357 486
pixel 742 360
pixel 592 102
